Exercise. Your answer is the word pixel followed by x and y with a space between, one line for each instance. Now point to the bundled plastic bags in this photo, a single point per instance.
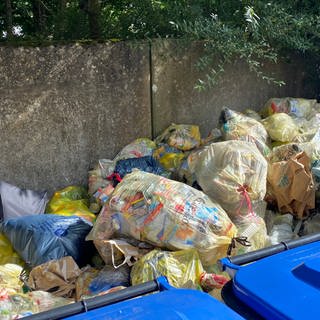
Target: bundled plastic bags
pixel 234 173
pixel 281 127
pixel 10 278
pixel 181 136
pixel 18 202
pixel 182 268
pixel 236 126
pixel 71 201
pixel 167 214
pixel 42 238
pixel 291 184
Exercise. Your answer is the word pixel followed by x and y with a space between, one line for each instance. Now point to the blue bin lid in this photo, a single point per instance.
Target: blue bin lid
pixel 168 304
pixel 283 286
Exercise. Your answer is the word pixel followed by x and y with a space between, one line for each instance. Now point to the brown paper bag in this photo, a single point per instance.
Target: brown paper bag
pixel 291 184
pixel 56 276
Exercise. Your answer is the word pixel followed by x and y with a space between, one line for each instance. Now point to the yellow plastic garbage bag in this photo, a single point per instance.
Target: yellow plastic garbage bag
pixel 281 127
pixel 71 201
pixel 10 277
pixel 182 268
pixel 7 253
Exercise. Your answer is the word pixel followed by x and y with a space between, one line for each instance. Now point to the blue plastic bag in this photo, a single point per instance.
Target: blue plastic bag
pixel 41 238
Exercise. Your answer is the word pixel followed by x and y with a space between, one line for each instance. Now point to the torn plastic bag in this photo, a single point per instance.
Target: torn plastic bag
pixel 181 136
pixel 41 238
pixel 55 276
pixel 236 126
pixel 71 201
pixel 167 214
pixel 292 185
pixel 16 202
pixel 281 127
pixel 182 268
pixel 233 173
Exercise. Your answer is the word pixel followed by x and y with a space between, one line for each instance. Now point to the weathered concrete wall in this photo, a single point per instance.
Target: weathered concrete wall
pixel 63 108
pixel 176 100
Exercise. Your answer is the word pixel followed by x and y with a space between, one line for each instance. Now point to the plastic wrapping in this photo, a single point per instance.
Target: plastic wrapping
pixel 108 278
pixel 236 126
pixel 71 201
pixel 167 214
pixel 252 114
pixel 181 136
pixel 281 127
pixel 18 202
pixel 56 276
pixel 233 173
pixel 282 229
pixel 7 253
pixel 182 268
pixel 41 238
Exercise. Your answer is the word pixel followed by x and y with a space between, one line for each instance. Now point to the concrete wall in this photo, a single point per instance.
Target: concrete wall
pixel 176 100
pixel 63 108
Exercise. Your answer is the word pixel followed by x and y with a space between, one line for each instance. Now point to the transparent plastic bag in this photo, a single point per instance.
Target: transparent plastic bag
pixel 10 278
pixel 233 173
pixel 236 126
pixel 281 127
pixel 282 229
pixel 98 176
pixel 181 136
pixel 71 201
pixel 108 278
pixel 167 214
pixel 182 268
pixel 253 229
pixel 138 148
pixel 295 107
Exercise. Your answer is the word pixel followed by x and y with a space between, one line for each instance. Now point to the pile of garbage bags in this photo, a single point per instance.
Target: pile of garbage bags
pixel 173 206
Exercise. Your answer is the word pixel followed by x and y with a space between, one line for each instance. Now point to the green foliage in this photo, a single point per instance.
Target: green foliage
pixel 252 30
